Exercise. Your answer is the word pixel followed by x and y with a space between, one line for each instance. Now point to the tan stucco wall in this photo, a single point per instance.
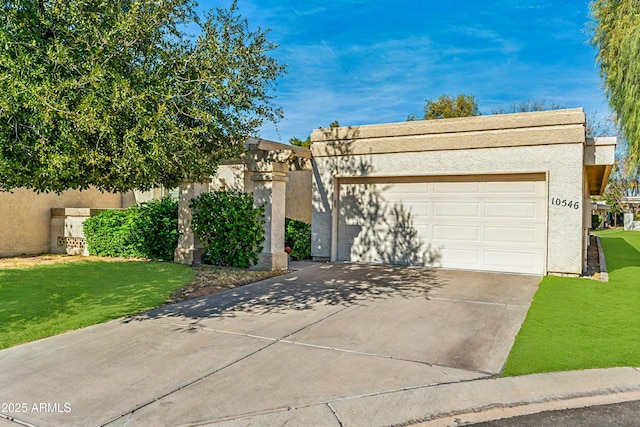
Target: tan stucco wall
pixel 229 177
pixel 135 197
pixel 554 145
pixel 298 199
pixel 25 216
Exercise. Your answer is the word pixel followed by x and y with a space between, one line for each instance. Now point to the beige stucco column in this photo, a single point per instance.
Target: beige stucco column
pixel 263 171
pixel 189 249
pixel 268 175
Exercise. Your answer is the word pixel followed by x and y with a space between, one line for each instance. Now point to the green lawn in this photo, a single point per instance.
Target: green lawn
pixel 580 323
pixel 41 301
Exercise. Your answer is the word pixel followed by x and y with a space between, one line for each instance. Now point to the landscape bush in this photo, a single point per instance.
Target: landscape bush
pixel 156 228
pixel 230 228
pixel 297 237
pixel 111 233
pixel 149 230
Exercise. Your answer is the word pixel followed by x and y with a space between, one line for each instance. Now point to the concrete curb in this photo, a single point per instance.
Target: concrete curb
pixel 532 408
pixel 463 402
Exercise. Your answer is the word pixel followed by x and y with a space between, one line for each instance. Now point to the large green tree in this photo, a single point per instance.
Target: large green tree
pixel 616 35
pixel 116 94
pixel 446 106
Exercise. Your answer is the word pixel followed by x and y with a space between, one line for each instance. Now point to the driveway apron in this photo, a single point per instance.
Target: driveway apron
pixel 321 334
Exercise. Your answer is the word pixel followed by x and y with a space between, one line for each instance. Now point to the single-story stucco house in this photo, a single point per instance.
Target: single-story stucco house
pixel 503 193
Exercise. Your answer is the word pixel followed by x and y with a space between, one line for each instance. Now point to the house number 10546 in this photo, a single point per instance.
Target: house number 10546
pixel 565 203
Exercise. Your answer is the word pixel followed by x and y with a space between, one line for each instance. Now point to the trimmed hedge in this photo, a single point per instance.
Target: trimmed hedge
pixel 156 228
pixel 297 236
pixel 149 230
pixel 229 227
pixel 110 233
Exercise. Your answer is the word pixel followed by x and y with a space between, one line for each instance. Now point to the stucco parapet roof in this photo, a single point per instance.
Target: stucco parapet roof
pixel 572 116
pixel 504 130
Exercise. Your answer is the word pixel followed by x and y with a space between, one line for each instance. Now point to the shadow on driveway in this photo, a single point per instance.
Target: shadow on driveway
pixel 324 284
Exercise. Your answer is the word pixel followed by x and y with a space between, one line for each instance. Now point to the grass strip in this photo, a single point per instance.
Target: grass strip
pixel 576 323
pixel 45 300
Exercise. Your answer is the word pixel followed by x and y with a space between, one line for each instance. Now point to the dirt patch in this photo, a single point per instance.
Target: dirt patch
pixel 593 259
pixel 210 280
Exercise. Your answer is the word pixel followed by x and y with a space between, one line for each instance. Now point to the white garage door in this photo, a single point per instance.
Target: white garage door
pixel 490 223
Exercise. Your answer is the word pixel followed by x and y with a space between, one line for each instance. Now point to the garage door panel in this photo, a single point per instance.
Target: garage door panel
pixel 448 188
pixel 404 189
pixel 523 261
pixel 397 211
pixel 402 253
pixel 516 188
pixel 447 233
pixel 488 225
pixel 451 256
pixel 459 258
pixel 512 210
pixel 456 209
pixel 522 235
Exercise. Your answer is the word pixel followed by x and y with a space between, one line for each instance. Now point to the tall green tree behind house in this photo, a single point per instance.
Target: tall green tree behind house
pixel 307 142
pixel 115 93
pixel 446 106
pixel 616 36
pixel 598 125
pixel 528 106
pixel 301 143
pixel 614 192
pixel 624 179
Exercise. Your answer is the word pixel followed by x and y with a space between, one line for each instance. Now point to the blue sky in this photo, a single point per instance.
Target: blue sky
pixel 368 61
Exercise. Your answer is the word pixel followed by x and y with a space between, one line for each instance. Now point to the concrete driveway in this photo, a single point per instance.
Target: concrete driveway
pixel 292 349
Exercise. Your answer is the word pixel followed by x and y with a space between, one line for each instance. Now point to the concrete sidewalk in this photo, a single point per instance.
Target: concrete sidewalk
pixel 461 403
pixel 330 344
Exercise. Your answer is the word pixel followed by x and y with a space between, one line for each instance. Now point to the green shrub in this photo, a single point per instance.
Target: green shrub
pixel 111 233
pixel 595 221
pixel 156 228
pixel 149 230
pixel 229 227
pixel 297 236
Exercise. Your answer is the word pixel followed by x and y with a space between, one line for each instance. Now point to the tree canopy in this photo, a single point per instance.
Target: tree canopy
pixel 116 94
pixel 446 106
pixel 307 142
pixel 301 143
pixel 616 35
pixel 528 106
